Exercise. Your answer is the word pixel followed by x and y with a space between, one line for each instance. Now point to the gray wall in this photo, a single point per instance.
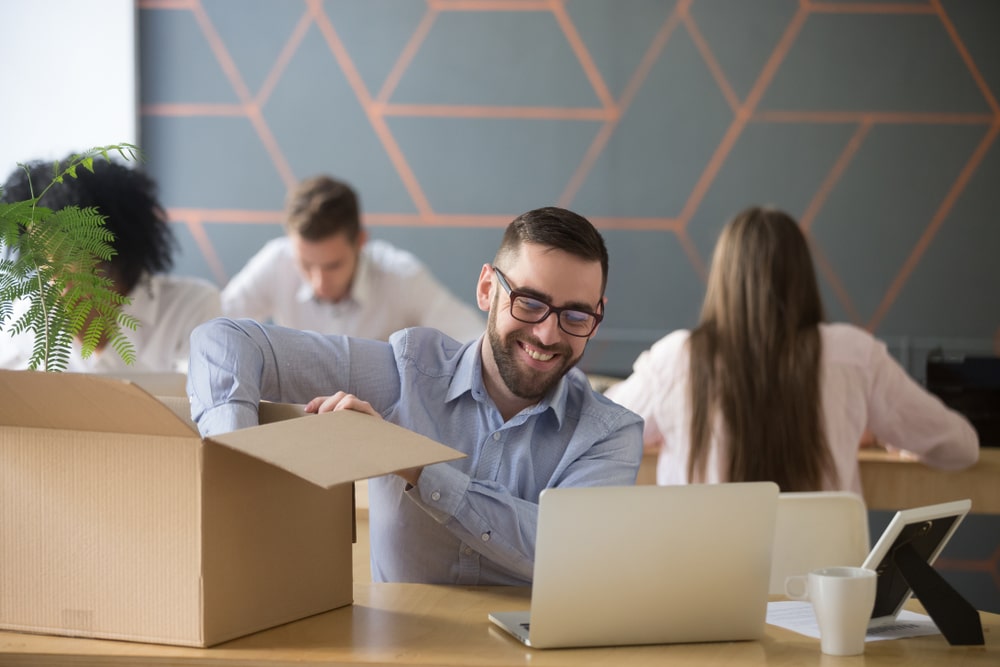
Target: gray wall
pixel 875 123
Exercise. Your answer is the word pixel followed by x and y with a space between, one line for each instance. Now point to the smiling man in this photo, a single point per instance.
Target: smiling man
pixel 512 401
pixel 325 275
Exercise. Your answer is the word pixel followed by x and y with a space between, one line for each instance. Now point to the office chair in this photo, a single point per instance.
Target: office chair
pixel 817 529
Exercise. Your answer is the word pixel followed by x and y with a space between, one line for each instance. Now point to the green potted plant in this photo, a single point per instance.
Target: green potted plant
pixel 51 282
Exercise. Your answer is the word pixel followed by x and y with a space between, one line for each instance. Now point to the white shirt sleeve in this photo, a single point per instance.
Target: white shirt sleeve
pixel 251 293
pixel 908 417
pixel 651 391
pixel 444 311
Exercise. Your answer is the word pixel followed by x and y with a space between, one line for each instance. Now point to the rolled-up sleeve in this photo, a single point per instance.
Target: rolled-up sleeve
pixel 237 363
pixel 503 526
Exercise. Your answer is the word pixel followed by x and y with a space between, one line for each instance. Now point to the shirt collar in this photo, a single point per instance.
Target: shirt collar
pixel 468 377
pixel 361 286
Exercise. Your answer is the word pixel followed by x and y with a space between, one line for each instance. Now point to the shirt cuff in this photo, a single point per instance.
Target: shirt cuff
pixel 225 418
pixel 440 491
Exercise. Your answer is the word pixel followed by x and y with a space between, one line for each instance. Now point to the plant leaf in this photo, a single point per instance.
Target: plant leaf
pixel 50 267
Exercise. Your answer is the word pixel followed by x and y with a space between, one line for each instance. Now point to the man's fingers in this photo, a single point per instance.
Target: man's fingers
pixel 340 401
pixel 325 403
pixel 352 402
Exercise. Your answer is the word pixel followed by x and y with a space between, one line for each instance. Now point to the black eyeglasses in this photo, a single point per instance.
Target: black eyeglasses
pixel 532 310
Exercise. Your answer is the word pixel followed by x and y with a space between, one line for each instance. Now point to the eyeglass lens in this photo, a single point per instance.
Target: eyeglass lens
pixel 531 311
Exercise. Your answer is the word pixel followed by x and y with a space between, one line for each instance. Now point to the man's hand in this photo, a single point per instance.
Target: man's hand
pixel 341 401
pixel 344 401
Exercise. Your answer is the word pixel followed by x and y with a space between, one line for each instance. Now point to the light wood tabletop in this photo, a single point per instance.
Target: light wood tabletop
pixel 420 624
pixel 892 481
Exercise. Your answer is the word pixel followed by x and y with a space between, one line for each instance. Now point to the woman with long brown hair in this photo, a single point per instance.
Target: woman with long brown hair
pixel 764 389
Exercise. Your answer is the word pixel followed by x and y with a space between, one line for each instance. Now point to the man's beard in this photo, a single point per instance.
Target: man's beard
pixel 526 383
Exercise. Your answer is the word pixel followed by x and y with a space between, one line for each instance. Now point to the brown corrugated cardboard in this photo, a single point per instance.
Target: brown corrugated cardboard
pixel 117 520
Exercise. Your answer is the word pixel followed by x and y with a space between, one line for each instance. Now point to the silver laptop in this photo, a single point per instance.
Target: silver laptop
pixel 617 566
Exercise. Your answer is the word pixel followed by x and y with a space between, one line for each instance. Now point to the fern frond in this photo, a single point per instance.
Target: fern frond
pixel 53 268
pixel 123 347
pixel 12 217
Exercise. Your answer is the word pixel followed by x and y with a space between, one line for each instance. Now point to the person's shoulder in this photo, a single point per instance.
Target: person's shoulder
pixel 427 347
pixel 843 332
pixel 848 344
pixel 188 294
pixel 276 250
pixel 594 404
pixel 673 341
pixel 670 348
pixel 390 259
pixel 192 285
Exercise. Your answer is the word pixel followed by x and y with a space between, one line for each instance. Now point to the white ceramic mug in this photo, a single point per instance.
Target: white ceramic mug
pixel 843 599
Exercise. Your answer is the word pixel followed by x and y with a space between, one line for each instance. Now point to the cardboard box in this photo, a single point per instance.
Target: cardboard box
pixel 117 520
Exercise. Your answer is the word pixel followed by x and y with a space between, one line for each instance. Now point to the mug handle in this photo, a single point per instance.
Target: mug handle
pixel 797 587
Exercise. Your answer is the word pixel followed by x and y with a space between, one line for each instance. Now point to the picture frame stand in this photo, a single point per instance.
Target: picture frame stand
pixel 954 616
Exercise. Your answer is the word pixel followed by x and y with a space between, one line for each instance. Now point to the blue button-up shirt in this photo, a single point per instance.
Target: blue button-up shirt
pixel 470 521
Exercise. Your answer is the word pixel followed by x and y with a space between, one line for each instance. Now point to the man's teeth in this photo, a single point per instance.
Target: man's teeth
pixel 538 356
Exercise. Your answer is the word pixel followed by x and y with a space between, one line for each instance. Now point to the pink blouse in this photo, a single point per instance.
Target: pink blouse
pixel 863 388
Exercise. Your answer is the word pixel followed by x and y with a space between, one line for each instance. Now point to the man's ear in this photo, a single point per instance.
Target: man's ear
pixel 362 239
pixel 604 308
pixel 484 288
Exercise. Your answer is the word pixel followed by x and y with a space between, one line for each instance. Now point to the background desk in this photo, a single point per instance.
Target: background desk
pixel 971 561
pixel 413 624
pixel 893 482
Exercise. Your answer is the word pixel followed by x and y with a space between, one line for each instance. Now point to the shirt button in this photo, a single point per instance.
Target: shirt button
pixel 436 496
pixel 485 537
pixel 468 551
pixel 496 436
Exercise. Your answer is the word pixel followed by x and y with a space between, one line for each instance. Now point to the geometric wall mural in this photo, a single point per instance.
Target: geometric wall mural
pixel 876 124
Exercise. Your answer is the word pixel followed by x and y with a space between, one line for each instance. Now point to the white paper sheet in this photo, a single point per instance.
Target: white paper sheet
pixel 799 617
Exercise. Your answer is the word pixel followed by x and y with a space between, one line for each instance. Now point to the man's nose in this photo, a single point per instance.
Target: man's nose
pixel 547 331
pixel 317 281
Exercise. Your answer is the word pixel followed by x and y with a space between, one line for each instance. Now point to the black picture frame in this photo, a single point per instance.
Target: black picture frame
pixel 904 557
pixel 928 529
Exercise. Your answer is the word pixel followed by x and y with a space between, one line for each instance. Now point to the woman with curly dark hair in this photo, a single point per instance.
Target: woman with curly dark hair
pixel 167 307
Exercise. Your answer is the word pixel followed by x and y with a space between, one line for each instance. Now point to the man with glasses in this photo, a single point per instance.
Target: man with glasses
pixel 511 401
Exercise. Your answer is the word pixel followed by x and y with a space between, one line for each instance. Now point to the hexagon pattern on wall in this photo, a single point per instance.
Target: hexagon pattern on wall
pixel 642 114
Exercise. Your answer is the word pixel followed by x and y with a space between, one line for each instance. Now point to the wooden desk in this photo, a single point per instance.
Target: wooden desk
pixel 892 482
pixel 414 624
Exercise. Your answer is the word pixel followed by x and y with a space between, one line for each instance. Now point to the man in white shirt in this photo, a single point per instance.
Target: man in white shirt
pixel 325 275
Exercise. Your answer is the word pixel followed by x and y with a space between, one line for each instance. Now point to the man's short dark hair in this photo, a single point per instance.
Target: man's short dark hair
pixel 558 228
pixel 321 207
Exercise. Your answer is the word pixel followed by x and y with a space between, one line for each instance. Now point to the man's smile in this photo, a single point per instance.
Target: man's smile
pixel 536 353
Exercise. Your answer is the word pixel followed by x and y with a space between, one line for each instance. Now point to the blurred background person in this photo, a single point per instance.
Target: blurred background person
pixel 325 275
pixel 764 389
pixel 167 307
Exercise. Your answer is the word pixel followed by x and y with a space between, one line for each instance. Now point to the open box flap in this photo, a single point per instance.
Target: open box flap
pixel 266 412
pixel 157 383
pixel 337 447
pixel 84 402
